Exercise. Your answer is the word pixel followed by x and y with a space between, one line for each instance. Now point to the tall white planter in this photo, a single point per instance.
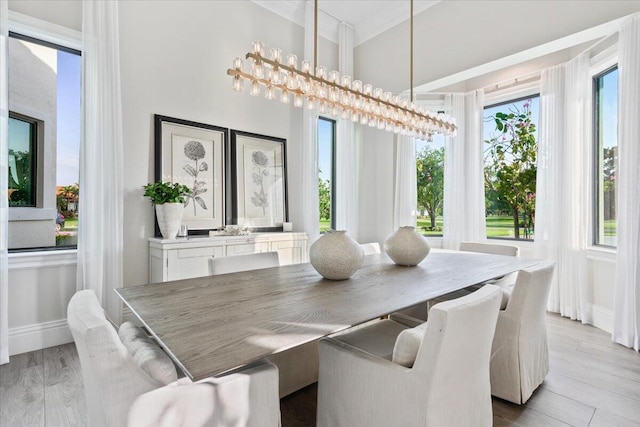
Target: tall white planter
pixel 169 219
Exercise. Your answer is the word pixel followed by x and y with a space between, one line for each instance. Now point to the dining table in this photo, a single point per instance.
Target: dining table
pixel 212 325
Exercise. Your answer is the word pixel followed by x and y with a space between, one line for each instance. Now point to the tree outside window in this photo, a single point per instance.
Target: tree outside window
pixel 430 185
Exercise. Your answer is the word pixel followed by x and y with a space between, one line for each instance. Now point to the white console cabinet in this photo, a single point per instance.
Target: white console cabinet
pixel 184 258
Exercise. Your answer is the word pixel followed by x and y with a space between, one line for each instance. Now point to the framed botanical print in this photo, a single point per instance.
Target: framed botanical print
pixel 193 154
pixel 257 181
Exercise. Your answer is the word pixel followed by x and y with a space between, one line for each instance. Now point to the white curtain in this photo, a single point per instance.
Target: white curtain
pixel 463 205
pixel 4 176
pixel 346 197
pixel 563 185
pixel 626 329
pixel 406 195
pixel 100 227
pixel 309 155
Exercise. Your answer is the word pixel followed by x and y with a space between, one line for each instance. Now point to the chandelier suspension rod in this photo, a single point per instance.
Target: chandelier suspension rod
pixel 410 53
pixel 315 34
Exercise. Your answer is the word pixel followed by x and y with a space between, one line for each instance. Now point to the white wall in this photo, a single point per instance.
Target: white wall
pixel 377 185
pixel 67 13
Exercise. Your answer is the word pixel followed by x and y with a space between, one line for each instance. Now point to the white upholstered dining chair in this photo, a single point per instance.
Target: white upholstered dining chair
pixel 129 381
pixel 520 356
pixel 419 311
pixel 505 282
pixel 494 249
pixel 236 263
pixel 435 374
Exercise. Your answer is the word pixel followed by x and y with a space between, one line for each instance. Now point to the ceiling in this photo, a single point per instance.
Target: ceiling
pixel 368 18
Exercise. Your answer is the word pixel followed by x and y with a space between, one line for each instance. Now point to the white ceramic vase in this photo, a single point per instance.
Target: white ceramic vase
pixel 169 219
pixel 406 246
pixel 336 256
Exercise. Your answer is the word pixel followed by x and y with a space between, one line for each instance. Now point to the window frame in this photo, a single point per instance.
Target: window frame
pixel 37 137
pixel 334 126
pixel 510 96
pixel 33 30
pixel 598 72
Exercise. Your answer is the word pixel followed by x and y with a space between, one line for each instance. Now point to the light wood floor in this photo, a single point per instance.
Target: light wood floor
pixel 592 382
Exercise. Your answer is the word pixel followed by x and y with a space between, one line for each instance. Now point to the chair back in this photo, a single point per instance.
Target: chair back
pixel 370 248
pixel 528 301
pixel 112 380
pixel 455 357
pixel 490 248
pixel 236 263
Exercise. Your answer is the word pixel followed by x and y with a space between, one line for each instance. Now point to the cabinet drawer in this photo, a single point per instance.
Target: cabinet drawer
pixel 247 248
pixel 197 252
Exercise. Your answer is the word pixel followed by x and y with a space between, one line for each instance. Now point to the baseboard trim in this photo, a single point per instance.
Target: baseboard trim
pixel 602 318
pixel 38 336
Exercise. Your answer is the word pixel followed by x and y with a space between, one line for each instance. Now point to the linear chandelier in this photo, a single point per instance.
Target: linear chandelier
pixel 335 95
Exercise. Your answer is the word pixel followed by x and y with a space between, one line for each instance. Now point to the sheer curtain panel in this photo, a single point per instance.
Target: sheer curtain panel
pixel 563 184
pixel 4 177
pixel 346 154
pixel 406 194
pixel 626 329
pixel 100 229
pixel 309 196
pixel 463 206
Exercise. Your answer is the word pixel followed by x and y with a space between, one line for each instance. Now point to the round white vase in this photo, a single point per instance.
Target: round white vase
pixel 336 256
pixel 406 246
pixel 169 219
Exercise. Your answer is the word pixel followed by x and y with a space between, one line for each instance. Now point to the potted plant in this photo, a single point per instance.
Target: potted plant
pixel 168 199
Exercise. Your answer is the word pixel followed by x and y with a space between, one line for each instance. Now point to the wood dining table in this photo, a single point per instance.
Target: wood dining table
pixel 215 324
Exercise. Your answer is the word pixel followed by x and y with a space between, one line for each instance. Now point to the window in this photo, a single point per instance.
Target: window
pixel 430 181
pixel 606 151
pixel 327 173
pixel 510 135
pixel 44 140
pixel 23 132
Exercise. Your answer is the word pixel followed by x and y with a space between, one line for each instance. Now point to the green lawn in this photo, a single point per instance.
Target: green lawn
pixel 497 226
pixel 70 224
pixel 325 225
pixel 424 223
pixel 610 227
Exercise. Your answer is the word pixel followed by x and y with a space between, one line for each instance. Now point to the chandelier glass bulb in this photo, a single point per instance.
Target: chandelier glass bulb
pixel 330 93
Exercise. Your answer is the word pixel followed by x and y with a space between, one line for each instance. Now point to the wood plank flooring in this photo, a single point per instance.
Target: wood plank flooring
pixel 592 382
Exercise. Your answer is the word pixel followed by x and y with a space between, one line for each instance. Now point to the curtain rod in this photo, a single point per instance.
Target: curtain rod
pixel 521 78
pixel 513 81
